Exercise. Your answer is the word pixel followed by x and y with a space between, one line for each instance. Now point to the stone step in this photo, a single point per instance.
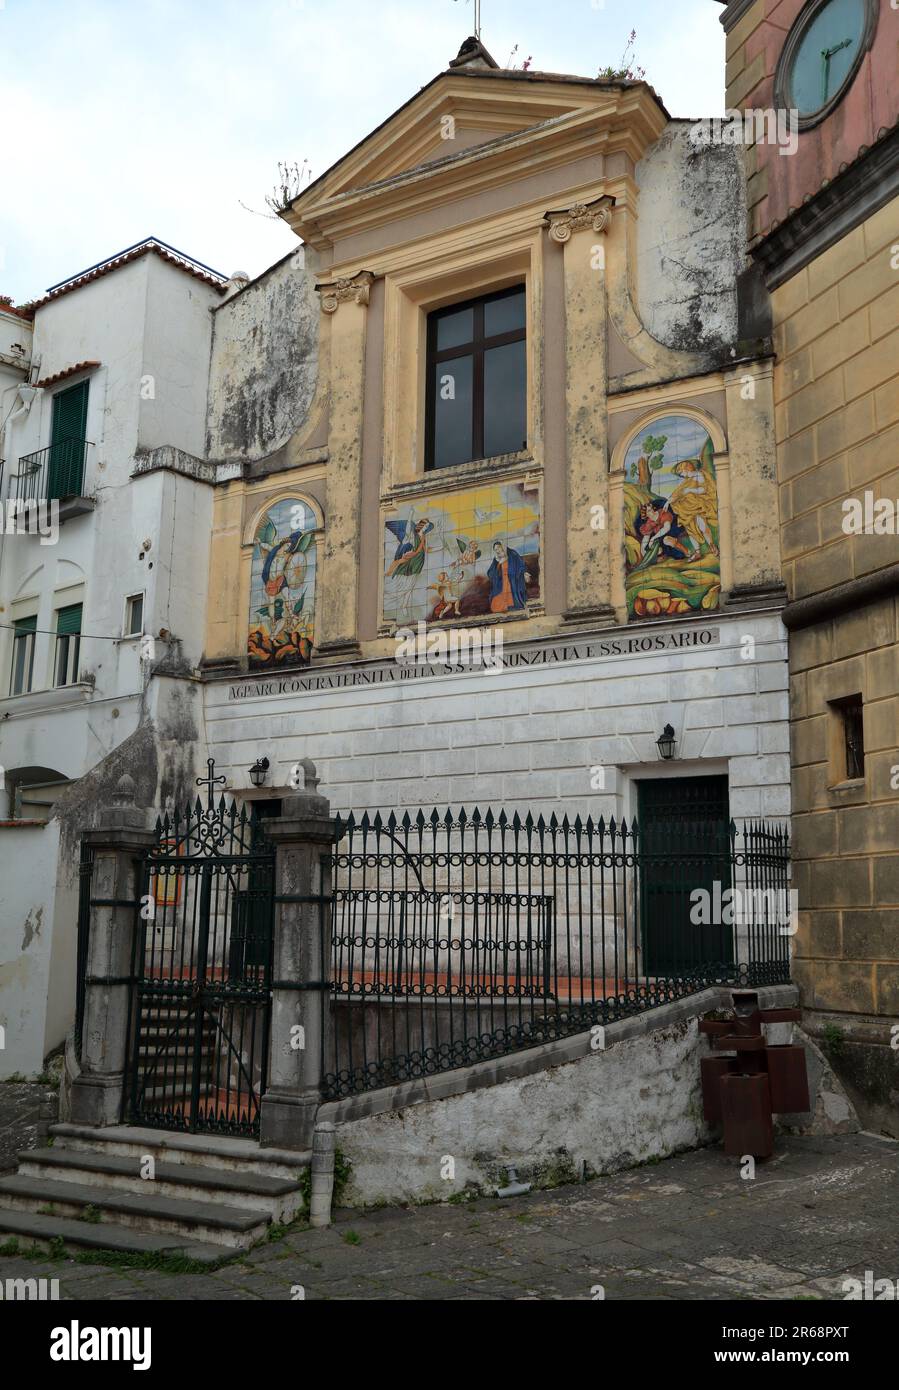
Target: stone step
pixel 196 1222
pixel 280 1198
pixel 171 1146
pixel 35 1232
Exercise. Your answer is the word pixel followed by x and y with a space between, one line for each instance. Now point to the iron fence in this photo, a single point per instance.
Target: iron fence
pixel 458 938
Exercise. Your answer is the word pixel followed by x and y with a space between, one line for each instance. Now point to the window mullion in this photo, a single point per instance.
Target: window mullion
pixel 477 392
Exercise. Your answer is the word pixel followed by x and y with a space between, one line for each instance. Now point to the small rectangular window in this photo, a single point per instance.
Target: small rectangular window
pixel 134 615
pixel 23 655
pixel 476 386
pixel 852 714
pixel 68 644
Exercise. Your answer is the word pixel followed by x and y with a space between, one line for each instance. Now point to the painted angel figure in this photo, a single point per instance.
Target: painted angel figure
pixel 408 562
pixel 695 504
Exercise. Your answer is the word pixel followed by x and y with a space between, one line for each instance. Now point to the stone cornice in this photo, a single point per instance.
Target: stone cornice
pixel 843 598
pixel 170 459
pixel 734 12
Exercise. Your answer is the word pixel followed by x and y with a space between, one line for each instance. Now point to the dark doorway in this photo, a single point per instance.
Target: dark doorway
pixel 684 855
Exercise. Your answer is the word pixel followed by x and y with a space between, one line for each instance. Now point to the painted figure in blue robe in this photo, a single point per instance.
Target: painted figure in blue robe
pixel 507 579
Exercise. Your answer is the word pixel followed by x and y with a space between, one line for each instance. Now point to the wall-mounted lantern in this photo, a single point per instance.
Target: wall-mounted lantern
pixel 259 772
pixel 666 743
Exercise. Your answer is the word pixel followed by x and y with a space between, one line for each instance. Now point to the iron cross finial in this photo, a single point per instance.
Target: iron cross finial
pixel 210 781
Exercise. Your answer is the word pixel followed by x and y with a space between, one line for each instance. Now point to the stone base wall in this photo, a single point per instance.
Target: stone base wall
pixel 846 849
pixel 556 1114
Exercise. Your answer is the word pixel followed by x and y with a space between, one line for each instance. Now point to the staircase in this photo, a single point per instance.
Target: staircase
pixel 209 1198
pixel 165 1053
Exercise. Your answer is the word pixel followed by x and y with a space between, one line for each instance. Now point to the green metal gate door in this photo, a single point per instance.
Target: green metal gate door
pixel 685 875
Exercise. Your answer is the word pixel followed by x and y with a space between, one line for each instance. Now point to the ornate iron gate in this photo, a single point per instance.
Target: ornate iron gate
pixel 201 1004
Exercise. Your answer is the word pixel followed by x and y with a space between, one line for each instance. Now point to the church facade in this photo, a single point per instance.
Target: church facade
pixel 487 503
pixel 516 519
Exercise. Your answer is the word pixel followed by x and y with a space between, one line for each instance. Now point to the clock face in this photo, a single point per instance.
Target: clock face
pixel 825 57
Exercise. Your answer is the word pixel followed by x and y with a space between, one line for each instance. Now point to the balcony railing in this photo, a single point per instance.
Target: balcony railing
pixel 52 473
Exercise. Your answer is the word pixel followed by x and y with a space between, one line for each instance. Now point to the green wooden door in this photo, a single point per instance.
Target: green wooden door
pixel 67 437
pixel 684 852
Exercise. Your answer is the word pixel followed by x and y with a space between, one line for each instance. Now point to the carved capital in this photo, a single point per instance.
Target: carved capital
pixel 356 288
pixel 596 215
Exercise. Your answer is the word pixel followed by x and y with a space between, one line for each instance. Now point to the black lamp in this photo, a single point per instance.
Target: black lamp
pixel 666 742
pixel 259 772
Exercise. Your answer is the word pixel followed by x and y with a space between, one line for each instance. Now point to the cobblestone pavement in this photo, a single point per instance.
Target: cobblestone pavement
pixel 687 1228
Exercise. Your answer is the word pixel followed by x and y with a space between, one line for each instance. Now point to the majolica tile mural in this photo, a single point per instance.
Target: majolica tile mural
pixel 463 555
pixel 671 533
pixel 282 587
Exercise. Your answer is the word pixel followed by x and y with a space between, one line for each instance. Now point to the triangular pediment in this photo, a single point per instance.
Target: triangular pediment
pixel 455 113
pixel 468 114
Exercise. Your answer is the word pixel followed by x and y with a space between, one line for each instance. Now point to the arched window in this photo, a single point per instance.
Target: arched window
pixel 282 587
pixel 671 527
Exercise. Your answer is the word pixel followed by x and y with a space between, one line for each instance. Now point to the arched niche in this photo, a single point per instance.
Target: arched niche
pixel 282 586
pixel 670 507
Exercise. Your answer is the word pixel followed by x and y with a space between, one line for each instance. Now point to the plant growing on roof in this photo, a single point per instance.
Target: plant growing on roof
pixel 627 70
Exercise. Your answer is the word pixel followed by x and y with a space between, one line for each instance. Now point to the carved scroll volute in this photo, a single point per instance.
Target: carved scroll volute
pixel 355 289
pixel 596 215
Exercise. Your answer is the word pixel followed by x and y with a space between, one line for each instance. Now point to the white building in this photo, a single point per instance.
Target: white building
pixel 104 391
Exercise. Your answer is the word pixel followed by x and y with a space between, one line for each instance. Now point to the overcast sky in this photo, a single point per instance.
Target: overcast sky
pixel 122 120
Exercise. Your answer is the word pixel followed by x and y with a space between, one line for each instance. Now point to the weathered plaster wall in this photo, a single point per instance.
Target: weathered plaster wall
pixel 690 240
pixel 177 340
pixel 26 927
pixel 610 1110
pixel 557 1113
pixel 264 363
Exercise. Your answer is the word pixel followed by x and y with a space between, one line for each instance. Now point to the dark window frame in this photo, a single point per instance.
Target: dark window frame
pixel 66 657
pixel 128 624
pixel 480 344
pixel 24 635
pixel 851 712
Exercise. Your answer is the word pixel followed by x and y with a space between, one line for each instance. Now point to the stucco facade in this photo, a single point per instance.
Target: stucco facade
pixel 629 244
pixel 138 338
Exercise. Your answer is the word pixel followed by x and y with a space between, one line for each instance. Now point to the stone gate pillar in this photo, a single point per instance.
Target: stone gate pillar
pixel 301 1005
pixel 118 844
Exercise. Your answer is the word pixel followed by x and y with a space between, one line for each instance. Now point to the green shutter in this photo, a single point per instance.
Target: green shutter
pixel 68 620
pixel 67 441
pixel 26 624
